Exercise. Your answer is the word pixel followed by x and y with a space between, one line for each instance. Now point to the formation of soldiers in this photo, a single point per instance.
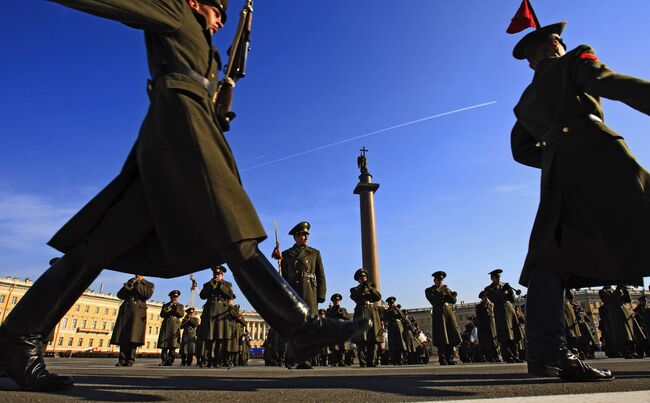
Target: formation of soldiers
pixel 218 339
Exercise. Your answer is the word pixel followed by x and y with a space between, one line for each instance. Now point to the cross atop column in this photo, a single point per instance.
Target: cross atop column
pixel 363 151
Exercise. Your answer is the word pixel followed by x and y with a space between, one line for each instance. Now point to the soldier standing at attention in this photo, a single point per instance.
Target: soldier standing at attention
pixel 169 338
pixel 214 318
pixel 302 268
pixel 642 313
pixel 393 319
pixel 188 339
pixel 365 295
pixel 505 316
pixel 593 222
pixel 129 329
pixel 487 329
pixel 176 207
pixel 444 333
pixel 337 312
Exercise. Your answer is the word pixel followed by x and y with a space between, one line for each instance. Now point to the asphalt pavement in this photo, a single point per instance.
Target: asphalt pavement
pixel 100 380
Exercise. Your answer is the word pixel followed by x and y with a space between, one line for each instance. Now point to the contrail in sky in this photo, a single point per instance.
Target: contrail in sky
pixel 368 135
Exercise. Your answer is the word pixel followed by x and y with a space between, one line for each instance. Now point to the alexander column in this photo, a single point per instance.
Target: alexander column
pixel 366 191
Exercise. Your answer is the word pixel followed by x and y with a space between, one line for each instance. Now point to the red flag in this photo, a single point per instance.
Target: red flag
pixel 277 255
pixel 524 18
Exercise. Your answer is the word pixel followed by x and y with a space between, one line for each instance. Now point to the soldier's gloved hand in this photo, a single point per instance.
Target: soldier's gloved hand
pixel 224 122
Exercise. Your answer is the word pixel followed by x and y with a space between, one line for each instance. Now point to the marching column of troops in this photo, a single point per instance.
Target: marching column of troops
pixel 494 334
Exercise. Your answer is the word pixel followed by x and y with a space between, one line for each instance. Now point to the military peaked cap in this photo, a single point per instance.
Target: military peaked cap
pixel 321 311
pixel 359 273
pixel 390 300
pixel 495 271
pixel 301 227
pixel 337 295
pixel 222 5
pixel 190 309
pixel 532 39
pixel 439 273
pixel 174 293
pixel 481 294
pixel 218 269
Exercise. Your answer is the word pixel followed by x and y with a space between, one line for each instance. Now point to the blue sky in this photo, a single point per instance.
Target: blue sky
pixel 320 72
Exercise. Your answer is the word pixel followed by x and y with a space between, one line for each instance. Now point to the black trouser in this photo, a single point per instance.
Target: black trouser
pixel 545 317
pixel 168 355
pixel 366 351
pixel 186 359
pixel 127 353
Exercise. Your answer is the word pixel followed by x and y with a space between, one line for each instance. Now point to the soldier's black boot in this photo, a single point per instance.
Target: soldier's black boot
pixel 44 304
pixel 278 303
pixel 547 354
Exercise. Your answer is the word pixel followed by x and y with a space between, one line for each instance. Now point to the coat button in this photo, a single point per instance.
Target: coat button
pixel 565 129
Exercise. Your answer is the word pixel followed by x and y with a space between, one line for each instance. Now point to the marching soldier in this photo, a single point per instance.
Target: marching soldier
pixel 445 333
pixel 393 318
pixel 302 267
pixel 365 295
pixel 176 206
pixel 169 338
pixel 642 313
pixel 571 326
pixel 337 312
pixel 131 320
pixel 233 345
pixel 592 223
pixel 245 348
pixel 188 340
pixel 214 322
pixel 505 316
pixel 487 328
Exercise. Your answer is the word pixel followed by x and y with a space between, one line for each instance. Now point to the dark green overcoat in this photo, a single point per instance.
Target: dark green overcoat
pixel 365 296
pixel 170 330
pixel 302 267
pixel 178 199
pixel 131 319
pixel 237 325
pixel 487 328
pixel 443 317
pixel 188 339
pixel 214 318
pixel 338 313
pixel 593 220
pixel 505 315
pixel 572 327
pixel 393 318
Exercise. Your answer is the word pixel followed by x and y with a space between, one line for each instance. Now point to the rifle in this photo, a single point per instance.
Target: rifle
pixel 276 254
pixel 236 66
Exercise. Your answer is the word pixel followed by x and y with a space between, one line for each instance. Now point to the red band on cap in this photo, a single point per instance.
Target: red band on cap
pixel 589 56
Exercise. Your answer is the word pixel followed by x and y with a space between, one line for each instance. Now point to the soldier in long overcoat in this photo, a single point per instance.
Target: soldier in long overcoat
pixel 572 328
pixel 131 321
pixel 337 312
pixel 642 313
pixel 393 318
pixel 189 323
pixel 445 334
pixel 169 338
pixel 366 295
pixel 215 327
pixel 237 324
pixel 593 222
pixel 177 205
pixel 487 328
pixel 302 267
pixel 505 316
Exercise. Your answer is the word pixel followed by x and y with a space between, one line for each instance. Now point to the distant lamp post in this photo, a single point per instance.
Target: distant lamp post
pixel 366 191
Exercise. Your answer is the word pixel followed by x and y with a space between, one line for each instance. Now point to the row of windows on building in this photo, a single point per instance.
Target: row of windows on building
pixel 14 299
pixel 77 308
pixel 91 342
pixel 84 324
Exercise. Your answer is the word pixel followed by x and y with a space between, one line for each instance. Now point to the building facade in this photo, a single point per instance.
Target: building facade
pixel 88 325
